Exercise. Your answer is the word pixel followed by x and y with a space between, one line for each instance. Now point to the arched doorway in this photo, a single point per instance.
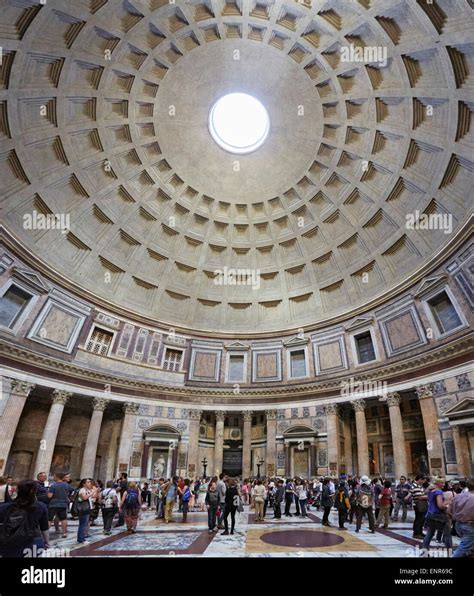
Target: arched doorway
pixel 300 451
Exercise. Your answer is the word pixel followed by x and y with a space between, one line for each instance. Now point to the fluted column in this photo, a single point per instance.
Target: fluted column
pixel 19 392
pixel 333 439
pixel 50 431
pixel 462 451
pixel 112 451
pixel 398 436
pixel 362 443
pixel 193 446
pixel 348 442
pixel 432 432
pixel 126 436
pixel 88 461
pixel 219 442
pixel 270 465
pixel 247 443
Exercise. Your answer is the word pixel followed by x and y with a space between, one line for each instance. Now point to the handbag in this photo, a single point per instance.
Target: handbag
pixel 240 506
pixel 436 521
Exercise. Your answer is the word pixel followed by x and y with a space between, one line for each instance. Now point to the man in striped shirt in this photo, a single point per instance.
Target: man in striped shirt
pixel 420 504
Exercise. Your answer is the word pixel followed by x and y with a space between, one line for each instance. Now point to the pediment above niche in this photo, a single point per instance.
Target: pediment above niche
pixel 33 280
pixel 237 346
pixel 462 409
pixel 359 322
pixel 429 284
pixel 296 341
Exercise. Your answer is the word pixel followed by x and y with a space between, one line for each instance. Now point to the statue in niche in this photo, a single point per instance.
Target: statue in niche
pixel 159 467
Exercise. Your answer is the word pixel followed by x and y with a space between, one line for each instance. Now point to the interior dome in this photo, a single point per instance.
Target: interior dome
pixel 112 112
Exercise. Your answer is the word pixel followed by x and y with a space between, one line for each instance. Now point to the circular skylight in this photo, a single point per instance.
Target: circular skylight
pixel 239 123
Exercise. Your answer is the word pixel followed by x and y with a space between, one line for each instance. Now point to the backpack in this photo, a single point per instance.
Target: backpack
pixel 108 499
pixel 365 496
pixel 186 495
pixel 16 529
pixel 131 502
pixel 213 497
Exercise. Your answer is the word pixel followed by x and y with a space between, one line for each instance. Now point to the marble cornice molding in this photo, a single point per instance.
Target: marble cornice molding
pixel 460 346
pixel 30 259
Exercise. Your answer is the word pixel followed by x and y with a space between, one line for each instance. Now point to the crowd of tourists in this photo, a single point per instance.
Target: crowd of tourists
pixel 30 509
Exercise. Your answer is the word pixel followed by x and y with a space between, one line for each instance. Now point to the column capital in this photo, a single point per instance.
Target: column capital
pixel 195 414
pixel 359 405
pixel 393 399
pixel 331 409
pixel 271 414
pixel 423 391
pixel 99 403
pixel 130 408
pixel 60 396
pixel 247 415
pixel 21 387
pixel 220 416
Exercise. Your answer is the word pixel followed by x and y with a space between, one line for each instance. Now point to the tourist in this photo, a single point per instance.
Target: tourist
pixel 259 495
pixel 352 499
pixel 26 503
pixel 41 489
pixel 289 494
pixel 4 493
pixel 180 492
pixel 232 499
pixel 245 491
pixel 122 487
pixel 97 488
pixel 160 505
pixel 461 509
pixel 58 494
pixel 419 496
pixel 170 494
pixel 278 498
pixel 365 503
pixel 444 535
pixel 146 495
pixel 378 486
pixel 203 487
pixel 342 504
pixel 212 504
pixel 109 500
pixel 326 501
pixel 402 499
pixel 130 504
pixel 221 489
pixel 82 508
pixel 436 515
pixel 302 496
pixel 385 499
pixel 185 496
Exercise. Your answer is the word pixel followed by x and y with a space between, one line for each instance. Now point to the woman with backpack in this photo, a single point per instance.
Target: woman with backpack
pixel 23 523
pixel 109 501
pixel 130 505
pixel 82 508
pixel 185 493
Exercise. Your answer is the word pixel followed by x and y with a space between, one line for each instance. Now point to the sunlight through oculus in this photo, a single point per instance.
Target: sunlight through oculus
pixel 239 123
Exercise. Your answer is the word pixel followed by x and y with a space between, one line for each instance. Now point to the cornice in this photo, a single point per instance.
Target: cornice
pixel 29 258
pixel 25 357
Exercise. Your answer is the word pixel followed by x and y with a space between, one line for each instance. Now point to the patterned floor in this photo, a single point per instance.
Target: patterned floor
pixel 288 537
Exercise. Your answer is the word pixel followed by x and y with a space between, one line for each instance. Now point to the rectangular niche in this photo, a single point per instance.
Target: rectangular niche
pixel 59 323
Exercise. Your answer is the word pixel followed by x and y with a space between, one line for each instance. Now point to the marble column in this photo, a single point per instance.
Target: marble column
pixel 333 439
pixel 50 432
pixel 19 392
pixel 348 442
pixel 362 443
pixel 193 447
pixel 174 458
pixel 247 443
pixel 270 464
pixel 219 443
pixel 398 436
pixel 126 436
pixel 461 447
pixel 287 460
pixel 145 455
pixel 312 460
pixel 112 451
pixel 88 460
pixel 432 433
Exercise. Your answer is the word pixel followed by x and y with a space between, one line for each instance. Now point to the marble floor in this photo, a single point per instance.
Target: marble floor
pixel 288 537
